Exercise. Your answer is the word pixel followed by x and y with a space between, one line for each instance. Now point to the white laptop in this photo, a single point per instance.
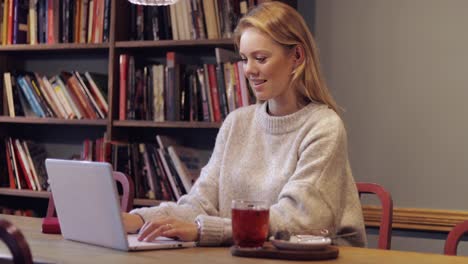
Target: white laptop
pixel 88 208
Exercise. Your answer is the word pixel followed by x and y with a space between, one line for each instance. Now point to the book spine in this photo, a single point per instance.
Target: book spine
pixel 40 98
pixel 9 93
pixel 69 100
pixel 170 89
pixel 97 93
pixel 14 164
pixel 123 62
pixel 23 165
pixel 32 168
pixel 32 22
pixel 30 97
pixel 10 21
pixel 50 22
pixel 60 97
pixel 214 93
pixel 5 22
pixel 90 98
pixel 175 188
pixel 106 26
pixel 9 161
pixel 83 28
pixel 220 79
pixel 179 167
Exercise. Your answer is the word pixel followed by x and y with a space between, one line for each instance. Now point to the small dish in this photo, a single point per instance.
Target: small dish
pixel 302 242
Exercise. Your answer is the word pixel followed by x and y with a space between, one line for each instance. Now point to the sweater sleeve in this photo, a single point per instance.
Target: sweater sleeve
pixel 202 201
pixel 317 192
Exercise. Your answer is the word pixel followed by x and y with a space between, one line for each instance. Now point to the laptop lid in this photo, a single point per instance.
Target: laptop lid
pixel 88 208
pixel 86 200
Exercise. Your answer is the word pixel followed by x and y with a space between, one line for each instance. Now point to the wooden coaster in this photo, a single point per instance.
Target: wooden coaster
pixel 269 251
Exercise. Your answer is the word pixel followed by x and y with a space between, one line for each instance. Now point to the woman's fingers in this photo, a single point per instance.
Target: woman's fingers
pixel 156 232
pixel 153 229
pixel 168 227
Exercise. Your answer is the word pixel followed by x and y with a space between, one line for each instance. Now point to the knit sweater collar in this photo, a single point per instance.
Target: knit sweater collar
pixel 283 124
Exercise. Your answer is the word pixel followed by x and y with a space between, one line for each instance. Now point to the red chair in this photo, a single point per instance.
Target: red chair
pixel 454 236
pixel 50 223
pixel 385 229
pixel 16 242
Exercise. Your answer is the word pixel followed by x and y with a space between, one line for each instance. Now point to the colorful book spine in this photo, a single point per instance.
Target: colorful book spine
pixel 32 100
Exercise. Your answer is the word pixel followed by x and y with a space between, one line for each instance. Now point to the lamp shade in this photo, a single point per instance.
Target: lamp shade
pixel 153 2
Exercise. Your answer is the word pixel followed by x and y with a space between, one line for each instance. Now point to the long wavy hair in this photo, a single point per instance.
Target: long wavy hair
pixel 285 25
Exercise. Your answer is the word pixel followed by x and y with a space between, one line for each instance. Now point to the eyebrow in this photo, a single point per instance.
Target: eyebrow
pixel 257 51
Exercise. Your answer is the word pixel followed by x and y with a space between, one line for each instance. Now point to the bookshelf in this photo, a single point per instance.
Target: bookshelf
pixel 66 135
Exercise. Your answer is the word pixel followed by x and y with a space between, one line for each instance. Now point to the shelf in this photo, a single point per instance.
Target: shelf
pixel 146 202
pixel 45 195
pixel 24 193
pixel 174 43
pixel 53 47
pixel 174 124
pixel 52 121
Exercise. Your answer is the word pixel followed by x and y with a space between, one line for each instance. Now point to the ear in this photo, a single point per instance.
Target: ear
pixel 299 55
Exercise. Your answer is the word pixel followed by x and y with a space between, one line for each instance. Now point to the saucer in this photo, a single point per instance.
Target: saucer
pixel 302 242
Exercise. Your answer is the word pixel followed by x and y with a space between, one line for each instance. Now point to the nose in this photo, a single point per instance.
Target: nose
pixel 249 68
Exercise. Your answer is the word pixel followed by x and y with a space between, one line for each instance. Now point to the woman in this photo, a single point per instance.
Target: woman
pixel 290 149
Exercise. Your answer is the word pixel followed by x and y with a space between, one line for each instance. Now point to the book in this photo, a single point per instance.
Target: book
pixel 8 89
pixel 123 77
pixel 30 97
pixel 32 167
pixel 91 101
pixel 162 178
pixel 20 21
pixel 169 171
pixel 203 93
pixel 98 86
pixel 61 100
pixel 50 96
pixel 10 166
pixel 38 155
pixel 149 172
pixel 23 168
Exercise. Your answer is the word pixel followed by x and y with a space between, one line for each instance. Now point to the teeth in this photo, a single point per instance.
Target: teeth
pixel 257 82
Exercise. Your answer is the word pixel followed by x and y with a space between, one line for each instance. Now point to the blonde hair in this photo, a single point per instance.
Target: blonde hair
pixel 285 25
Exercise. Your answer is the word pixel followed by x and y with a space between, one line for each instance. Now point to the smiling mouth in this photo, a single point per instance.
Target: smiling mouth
pixel 257 82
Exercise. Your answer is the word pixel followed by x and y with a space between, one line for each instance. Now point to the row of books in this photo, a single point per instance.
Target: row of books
pixel 185 89
pixel 22 162
pixel 187 19
pixel 54 21
pixel 25 164
pixel 69 95
pixel 20 212
pixel 164 170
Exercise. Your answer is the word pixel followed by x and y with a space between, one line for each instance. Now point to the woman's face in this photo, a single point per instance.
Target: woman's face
pixel 268 66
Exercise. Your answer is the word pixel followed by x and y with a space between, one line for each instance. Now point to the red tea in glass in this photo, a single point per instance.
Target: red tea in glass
pixel 249 223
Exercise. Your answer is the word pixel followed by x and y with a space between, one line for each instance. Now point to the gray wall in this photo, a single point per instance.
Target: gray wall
pixel 400 70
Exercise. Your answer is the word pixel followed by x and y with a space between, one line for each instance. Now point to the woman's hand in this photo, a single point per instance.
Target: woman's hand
pixel 132 222
pixel 168 227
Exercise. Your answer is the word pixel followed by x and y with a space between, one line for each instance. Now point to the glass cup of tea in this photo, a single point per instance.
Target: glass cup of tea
pixel 250 223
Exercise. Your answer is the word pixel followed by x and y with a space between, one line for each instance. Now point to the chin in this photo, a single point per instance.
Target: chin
pixel 261 97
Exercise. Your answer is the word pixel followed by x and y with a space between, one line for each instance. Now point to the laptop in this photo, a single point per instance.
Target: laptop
pixel 88 208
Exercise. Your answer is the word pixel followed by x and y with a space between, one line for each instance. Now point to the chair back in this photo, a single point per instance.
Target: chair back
pixel 128 190
pixel 16 242
pixel 126 203
pixel 385 229
pixel 454 236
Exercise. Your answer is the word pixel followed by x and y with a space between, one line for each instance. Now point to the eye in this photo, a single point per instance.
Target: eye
pixel 261 59
pixel 244 60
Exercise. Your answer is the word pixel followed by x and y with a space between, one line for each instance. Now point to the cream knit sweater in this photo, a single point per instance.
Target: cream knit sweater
pixel 298 163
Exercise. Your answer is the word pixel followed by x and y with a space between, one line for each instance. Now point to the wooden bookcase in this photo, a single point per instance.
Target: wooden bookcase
pixel 50 59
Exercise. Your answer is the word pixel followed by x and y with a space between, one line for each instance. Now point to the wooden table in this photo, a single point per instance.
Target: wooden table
pixel 54 248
